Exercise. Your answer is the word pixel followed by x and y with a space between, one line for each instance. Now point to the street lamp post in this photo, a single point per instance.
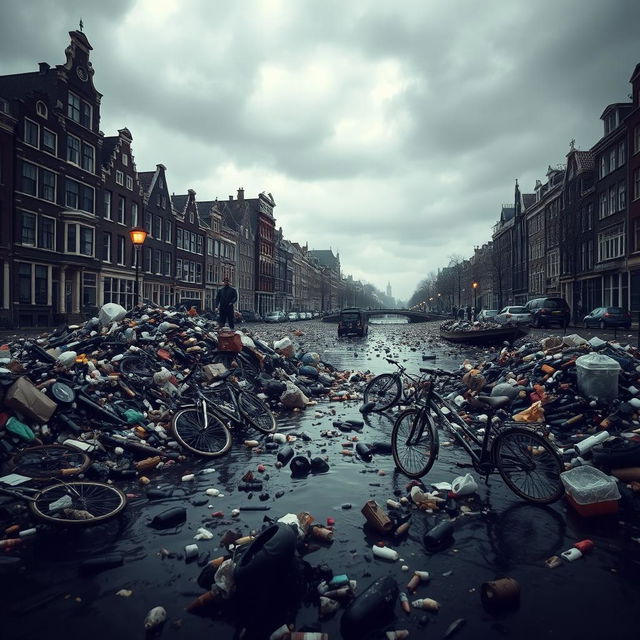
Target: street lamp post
pixel 138 236
pixel 475 297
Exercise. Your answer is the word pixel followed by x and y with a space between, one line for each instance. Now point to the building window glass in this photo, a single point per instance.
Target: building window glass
pixel 89 289
pixel 41 109
pixel 622 196
pixel 147 223
pixel 106 247
pixel 31 133
pixel 603 205
pixel 79 196
pixel 167 263
pixel 86 241
pixel 79 239
pixel 147 259
pixel 107 205
pixel 121 209
pixel 28 229
pixel 125 159
pixel 46 232
pixel 611 243
pixel 613 200
pixel 156 261
pixel 24 283
pixel 119 177
pixel 73 149
pixel 41 284
pixel 88 157
pixel 179 238
pixel 158 228
pixel 130 183
pixel 49 141
pixel 621 154
pixel 29 179
pixel 121 247
pixel 73 107
pixel 167 230
pixel 47 186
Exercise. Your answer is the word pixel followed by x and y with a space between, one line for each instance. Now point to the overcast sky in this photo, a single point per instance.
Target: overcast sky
pixel 389 131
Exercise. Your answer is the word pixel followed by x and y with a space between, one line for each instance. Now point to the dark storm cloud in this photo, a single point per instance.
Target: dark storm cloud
pixel 391 132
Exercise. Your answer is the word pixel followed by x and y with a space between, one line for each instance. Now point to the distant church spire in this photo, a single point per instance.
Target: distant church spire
pixel 81 25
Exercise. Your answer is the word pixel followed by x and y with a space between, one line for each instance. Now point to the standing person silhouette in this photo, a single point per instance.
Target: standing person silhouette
pixel 225 299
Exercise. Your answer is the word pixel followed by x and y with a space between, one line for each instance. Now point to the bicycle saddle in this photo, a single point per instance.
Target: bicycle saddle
pixel 494 402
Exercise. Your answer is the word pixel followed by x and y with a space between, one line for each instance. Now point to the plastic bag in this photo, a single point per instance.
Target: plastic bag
pixel 534 413
pixel 464 485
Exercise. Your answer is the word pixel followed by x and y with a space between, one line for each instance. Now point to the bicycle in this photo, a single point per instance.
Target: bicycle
pixel 386 389
pixel 528 463
pixel 78 502
pixel 48 461
pixel 201 427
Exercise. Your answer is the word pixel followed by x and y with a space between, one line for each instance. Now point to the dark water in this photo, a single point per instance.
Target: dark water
pixel 595 597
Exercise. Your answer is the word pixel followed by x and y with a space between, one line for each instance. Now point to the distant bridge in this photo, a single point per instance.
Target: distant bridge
pixel 414 316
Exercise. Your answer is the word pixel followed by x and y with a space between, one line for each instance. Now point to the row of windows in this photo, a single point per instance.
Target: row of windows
pixel 121 213
pixel 189 271
pixel 614 200
pixel 612 160
pixel 158 262
pixel 611 243
pixel 157 228
pixel 189 241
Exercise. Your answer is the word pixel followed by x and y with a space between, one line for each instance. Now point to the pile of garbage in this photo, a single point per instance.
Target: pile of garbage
pixel 113 383
pixel 584 395
pixel 466 325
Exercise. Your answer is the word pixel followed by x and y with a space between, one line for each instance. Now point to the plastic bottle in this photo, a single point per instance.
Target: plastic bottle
pixel 586 444
pixel 438 536
pixel 386 553
pixel 427 604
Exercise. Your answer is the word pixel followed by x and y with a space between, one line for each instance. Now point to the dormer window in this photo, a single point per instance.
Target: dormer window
pixel 125 159
pixel 41 109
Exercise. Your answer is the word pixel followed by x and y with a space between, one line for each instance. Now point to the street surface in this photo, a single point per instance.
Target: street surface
pixel 593 598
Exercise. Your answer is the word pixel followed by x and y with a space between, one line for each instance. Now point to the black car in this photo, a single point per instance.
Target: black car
pixel 547 311
pixel 353 322
pixel 608 317
pixel 250 316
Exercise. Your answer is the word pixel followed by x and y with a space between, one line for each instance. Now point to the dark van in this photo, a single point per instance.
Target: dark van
pixel 548 311
pixel 353 322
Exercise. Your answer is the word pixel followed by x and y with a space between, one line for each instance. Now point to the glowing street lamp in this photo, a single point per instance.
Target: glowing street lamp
pixel 138 236
pixel 475 297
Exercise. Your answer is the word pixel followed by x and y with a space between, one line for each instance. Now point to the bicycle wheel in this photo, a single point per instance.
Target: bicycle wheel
pixel 50 461
pixel 189 430
pixel 136 365
pixel 384 390
pixel 91 503
pixel 256 412
pixel 528 464
pixel 414 442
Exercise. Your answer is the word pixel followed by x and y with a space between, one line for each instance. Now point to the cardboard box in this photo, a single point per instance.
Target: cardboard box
pixel 23 396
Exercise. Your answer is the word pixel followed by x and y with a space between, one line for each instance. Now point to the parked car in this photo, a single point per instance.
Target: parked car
pixel 250 316
pixel 307 315
pixel 353 322
pixel 608 317
pixel 487 314
pixel 548 311
pixel 275 316
pixel 513 315
pixel 293 316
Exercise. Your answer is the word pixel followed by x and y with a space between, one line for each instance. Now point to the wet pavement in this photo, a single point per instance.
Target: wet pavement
pixel 594 597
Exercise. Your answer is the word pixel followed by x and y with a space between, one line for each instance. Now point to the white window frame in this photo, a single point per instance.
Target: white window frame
pixel 55 142
pixel 122 209
pixel 41 109
pixel 37 131
pixel 110 243
pixel 121 252
pixel 108 195
pixel 125 159
pixel 167 231
pixel 33 266
pixel 55 229
pixel 78 226
pixel 129 181
pixel 79 150
pixel 611 243
pixel 553 264
pixel 92 168
pixel 134 214
pixel 119 177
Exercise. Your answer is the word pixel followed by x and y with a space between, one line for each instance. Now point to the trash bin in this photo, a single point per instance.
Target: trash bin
pixel 590 491
pixel 598 376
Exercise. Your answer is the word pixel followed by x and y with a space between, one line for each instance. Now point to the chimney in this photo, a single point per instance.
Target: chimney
pixel 230 197
pixel 44 67
pixel 241 193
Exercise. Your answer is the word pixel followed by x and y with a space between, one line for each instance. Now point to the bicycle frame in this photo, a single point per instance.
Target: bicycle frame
pixel 458 428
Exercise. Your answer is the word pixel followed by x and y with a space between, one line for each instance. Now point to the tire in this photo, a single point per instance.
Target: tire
pixel 136 365
pixel 528 464
pixel 189 431
pixel 50 461
pixel 414 443
pixel 256 412
pixel 384 390
pixel 101 500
